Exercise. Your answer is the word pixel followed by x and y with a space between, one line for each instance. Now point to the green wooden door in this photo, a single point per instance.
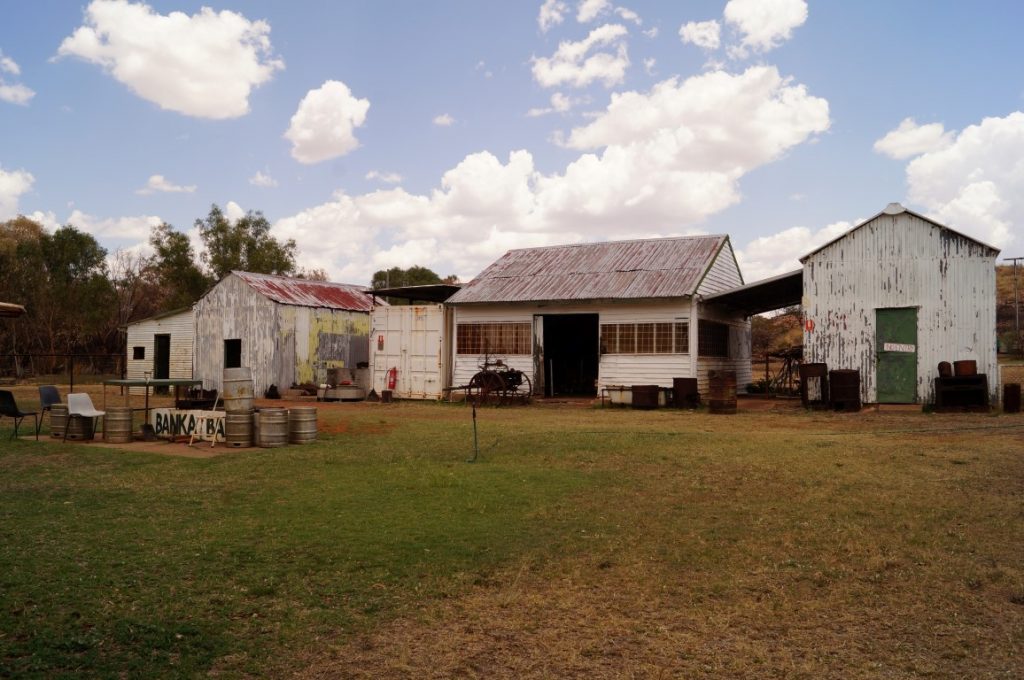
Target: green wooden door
pixel 896 349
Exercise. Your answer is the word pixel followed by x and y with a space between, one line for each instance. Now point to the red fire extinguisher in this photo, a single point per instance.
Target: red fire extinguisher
pixel 392 377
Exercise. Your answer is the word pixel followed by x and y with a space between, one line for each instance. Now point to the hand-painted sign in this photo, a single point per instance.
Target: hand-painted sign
pixel 809 325
pixel 205 425
pixel 898 347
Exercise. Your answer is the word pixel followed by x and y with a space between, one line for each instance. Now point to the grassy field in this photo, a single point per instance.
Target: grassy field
pixel 583 543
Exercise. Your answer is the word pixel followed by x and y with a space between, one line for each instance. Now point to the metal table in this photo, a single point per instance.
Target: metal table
pixel 176 383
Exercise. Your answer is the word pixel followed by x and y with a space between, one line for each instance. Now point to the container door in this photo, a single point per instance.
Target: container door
pixel 896 349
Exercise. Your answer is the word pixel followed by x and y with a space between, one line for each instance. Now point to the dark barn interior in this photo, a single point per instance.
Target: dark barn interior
pixel 570 354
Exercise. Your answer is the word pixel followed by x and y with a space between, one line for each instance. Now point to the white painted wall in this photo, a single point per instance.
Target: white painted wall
pixel 902 261
pixel 724 273
pixel 140 334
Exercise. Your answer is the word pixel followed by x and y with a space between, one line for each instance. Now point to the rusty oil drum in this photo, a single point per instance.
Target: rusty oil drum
pixel 844 389
pixel 1011 398
pixel 722 392
pixel 645 396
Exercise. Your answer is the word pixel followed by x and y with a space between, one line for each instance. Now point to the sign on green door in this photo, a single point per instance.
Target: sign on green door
pixel 896 349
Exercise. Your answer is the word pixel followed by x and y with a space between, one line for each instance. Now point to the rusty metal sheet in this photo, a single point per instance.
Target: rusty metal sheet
pixel 307 293
pixel 651 268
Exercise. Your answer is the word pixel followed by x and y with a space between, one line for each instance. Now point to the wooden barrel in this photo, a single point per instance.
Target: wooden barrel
pixel 273 427
pixel 722 392
pixel 965 367
pixel 844 389
pixel 1011 398
pixel 385 396
pixel 79 429
pixel 237 389
pixel 645 396
pixel 302 424
pixel 685 393
pixel 58 420
pixel 117 425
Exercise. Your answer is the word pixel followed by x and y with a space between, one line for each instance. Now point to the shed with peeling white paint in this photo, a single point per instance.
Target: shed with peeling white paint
pixel 578 318
pixel 896 295
pixel 285 330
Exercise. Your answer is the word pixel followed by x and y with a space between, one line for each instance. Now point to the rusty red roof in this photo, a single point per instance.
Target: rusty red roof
pixel 305 293
pixel 649 268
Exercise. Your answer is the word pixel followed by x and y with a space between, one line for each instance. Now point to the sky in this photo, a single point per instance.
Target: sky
pixel 442 134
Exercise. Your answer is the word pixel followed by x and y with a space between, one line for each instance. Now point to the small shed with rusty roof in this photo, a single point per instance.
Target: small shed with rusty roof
pixel 577 318
pixel 285 330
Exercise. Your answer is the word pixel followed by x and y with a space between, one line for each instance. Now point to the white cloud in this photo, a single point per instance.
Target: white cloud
pixel 323 126
pixel 911 139
pixel 658 163
pixel 975 184
pixel 8 65
pixel 652 32
pixel 122 228
pixel 570 64
pixel 552 13
pixel 764 24
pixel 233 212
pixel 261 179
pixel 649 64
pixel 13 185
pixel 588 10
pixel 705 34
pixel 443 120
pixel 560 103
pixel 386 177
pixel 780 253
pixel 159 183
pixel 48 219
pixel 15 93
pixel 203 65
pixel 627 14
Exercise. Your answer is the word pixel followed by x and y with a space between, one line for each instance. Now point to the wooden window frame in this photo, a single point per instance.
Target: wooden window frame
pixel 712 339
pixel 646 338
pixel 504 338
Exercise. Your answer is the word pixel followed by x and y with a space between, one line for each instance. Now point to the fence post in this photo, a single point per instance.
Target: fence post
pixel 71 372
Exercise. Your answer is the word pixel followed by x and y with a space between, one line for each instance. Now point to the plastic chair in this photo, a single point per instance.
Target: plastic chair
pixel 9 408
pixel 80 406
pixel 48 396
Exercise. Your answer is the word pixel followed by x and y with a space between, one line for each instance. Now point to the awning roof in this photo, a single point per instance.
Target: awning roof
pixel 431 292
pixel 11 310
pixel 766 295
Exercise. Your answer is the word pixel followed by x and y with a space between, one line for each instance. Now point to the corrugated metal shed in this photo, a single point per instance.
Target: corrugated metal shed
pixel 642 269
pixel 305 293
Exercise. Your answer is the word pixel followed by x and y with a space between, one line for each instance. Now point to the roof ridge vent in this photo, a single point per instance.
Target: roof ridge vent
pixel 894 209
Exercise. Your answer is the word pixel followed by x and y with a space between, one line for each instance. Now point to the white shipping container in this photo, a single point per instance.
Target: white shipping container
pixel 414 341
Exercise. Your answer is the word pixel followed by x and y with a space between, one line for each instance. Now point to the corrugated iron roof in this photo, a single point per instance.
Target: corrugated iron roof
pixel 307 293
pixel 649 268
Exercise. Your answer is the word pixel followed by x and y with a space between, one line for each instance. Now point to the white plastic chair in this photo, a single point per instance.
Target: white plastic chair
pixel 80 406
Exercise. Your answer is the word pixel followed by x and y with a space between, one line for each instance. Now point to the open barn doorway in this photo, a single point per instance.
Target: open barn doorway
pixel 570 354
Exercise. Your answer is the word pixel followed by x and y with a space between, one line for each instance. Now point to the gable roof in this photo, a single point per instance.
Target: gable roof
pixel 896 209
pixel 306 293
pixel 649 268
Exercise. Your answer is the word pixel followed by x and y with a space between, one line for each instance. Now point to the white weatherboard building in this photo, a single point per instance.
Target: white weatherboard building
pixel 160 347
pixel 896 295
pixel 578 318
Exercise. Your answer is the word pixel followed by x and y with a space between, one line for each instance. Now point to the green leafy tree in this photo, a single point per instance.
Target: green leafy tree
pixel 181 278
pixel 243 245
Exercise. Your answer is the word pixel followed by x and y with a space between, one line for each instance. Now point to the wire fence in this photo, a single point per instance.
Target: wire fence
pixel 69 369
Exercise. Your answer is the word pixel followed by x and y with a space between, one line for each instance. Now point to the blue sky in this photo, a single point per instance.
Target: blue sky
pixel 444 133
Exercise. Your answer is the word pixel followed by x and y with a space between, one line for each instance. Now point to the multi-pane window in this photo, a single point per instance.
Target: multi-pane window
pixel 645 338
pixel 712 339
pixel 495 338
